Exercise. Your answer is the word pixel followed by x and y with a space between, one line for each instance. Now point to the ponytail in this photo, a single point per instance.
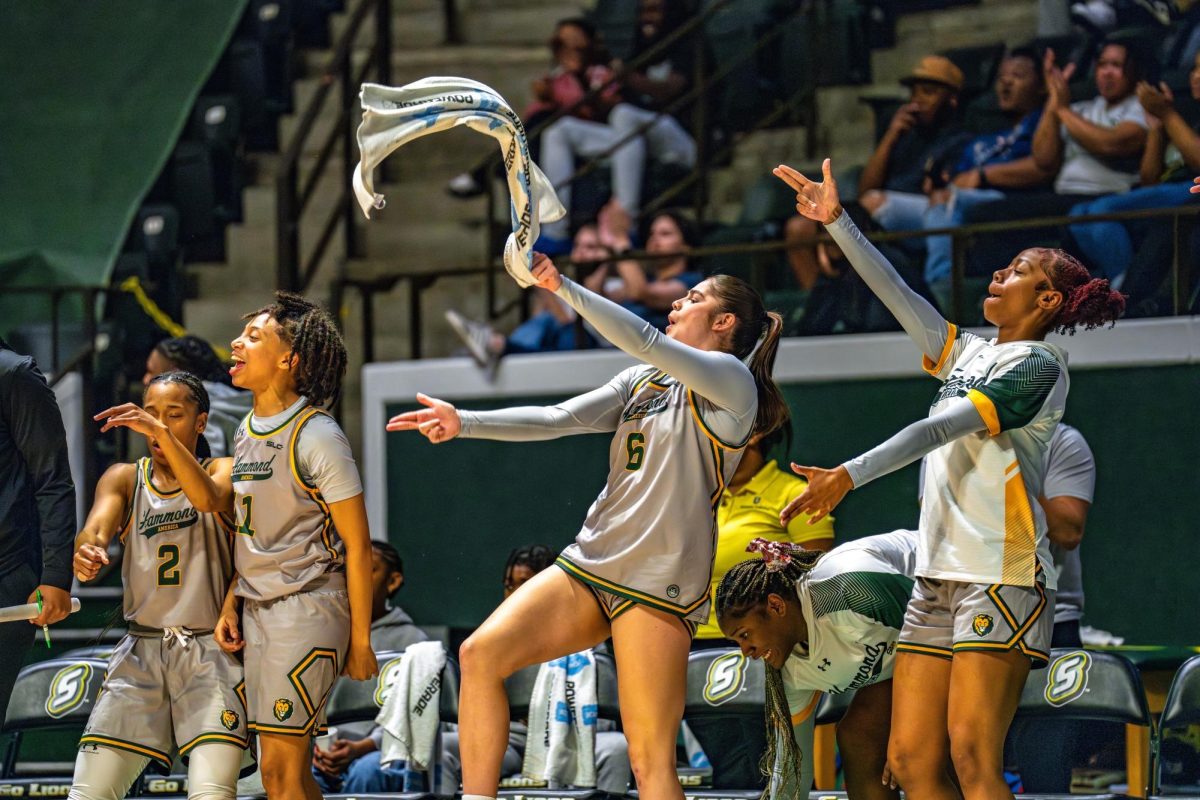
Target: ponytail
pixel 755 339
pixel 1087 301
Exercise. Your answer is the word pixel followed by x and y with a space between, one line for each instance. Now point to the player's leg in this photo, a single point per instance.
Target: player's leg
pixel 918 747
pixel 862 738
pixel 651 649
pixel 105 773
pixel 550 616
pixel 284 763
pixel 213 771
pixel 984 690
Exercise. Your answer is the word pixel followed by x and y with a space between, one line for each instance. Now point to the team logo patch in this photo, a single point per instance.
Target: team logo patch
pixel 982 624
pixel 68 689
pixel 725 679
pixel 283 709
pixel 1067 677
pixel 229 719
pixel 672 591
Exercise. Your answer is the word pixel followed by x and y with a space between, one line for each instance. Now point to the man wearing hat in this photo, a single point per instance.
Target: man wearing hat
pixel 921 132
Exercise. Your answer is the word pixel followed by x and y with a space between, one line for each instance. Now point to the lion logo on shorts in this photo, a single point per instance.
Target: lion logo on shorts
pixel 229 719
pixel 982 624
pixel 283 709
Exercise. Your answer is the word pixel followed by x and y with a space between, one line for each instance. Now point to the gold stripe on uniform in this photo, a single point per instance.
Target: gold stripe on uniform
pixel 987 409
pixel 131 747
pixel 951 337
pixel 1020 532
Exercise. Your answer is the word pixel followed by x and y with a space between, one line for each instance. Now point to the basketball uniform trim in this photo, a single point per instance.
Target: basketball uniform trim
pixel 1017 640
pixel 691 397
pixel 987 410
pixel 128 523
pixel 129 747
pixel 935 368
pixel 294 677
pixel 268 434
pixel 148 479
pixel 313 492
pixel 808 710
pixel 925 650
pixel 206 738
pixel 597 582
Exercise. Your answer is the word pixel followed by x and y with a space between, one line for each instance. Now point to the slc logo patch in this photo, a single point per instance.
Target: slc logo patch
pixel 229 719
pixel 725 679
pixel 982 624
pixel 1067 677
pixel 283 709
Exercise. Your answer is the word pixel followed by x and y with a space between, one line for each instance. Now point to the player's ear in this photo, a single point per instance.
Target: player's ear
pixel 201 421
pixel 395 581
pixel 723 322
pixel 776 605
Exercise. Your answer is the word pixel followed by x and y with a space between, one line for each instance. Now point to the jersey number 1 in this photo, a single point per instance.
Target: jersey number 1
pixel 168 566
pixel 247 528
pixel 635 445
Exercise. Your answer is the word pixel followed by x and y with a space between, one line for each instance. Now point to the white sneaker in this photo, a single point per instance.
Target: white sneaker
pixel 477 336
pixel 1099 14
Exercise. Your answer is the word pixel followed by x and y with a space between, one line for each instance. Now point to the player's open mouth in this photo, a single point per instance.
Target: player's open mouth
pixel 237 366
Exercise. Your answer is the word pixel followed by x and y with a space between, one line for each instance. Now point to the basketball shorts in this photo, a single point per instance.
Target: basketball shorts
pixel 946 617
pixel 614 605
pixel 295 649
pixel 161 696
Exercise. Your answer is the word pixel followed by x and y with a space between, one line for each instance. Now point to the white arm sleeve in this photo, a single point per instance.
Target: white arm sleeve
pixel 920 320
pixel 597 411
pixel 326 460
pixel 959 418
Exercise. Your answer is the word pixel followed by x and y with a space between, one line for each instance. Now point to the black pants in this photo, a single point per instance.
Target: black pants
pixel 15 637
pixel 994 251
pixel 734 745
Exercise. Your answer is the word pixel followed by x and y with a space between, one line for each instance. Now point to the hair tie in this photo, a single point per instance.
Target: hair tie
pixel 762 337
pixel 776 555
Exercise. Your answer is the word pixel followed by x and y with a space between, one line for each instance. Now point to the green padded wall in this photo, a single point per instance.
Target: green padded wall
pixel 455 510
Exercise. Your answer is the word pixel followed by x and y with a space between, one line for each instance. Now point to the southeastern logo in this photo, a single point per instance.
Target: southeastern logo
pixel 151 524
pixel 283 709
pixel 229 719
pixel 1067 677
pixel 726 677
pixel 68 689
pixel 982 624
pixel 253 470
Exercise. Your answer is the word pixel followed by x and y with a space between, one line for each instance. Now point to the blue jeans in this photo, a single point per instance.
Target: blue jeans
pixel 1106 247
pixel 938 249
pixel 541 333
pixel 366 776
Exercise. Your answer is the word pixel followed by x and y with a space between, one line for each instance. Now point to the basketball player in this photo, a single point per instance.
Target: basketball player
pixel 169 687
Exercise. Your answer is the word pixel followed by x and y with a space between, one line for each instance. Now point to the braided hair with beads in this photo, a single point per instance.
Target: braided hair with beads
pixel 316 343
pixel 745 587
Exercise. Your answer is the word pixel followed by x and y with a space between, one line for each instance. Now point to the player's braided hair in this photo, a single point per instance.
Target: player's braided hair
pixel 743 588
pixel 193 354
pixel 199 396
pixel 1087 301
pixel 315 341
pixel 535 556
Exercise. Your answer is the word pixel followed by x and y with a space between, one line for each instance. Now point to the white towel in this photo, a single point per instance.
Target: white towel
pixel 393 117
pixel 409 716
pixel 561 747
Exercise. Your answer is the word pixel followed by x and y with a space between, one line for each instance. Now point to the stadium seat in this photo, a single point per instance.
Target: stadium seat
pixel 193 192
pixel 1182 706
pixel 519 687
pixel 722 684
pixel 1081 684
pixel 979 65
pixel 100 651
pixel 246 62
pixel 216 121
pixel 54 694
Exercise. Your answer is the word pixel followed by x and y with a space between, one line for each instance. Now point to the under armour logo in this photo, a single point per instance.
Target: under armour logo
pixel 825 664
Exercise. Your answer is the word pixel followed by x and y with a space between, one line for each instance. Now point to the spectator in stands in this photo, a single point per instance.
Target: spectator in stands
pixel 352 764
pixel 37 508
pixel 891 188
pixel 639 121
pixel 228 406
pixel 580 66
pixel 1171 157
pixel 749 509
pixel 550 328
pixel 648 290
pixel 992 165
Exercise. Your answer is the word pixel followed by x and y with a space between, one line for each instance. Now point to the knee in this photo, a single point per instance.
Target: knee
pixel 908 761
pixel 798 227
pixel 556 134
pixel 649 762
pixel 872 201
pixel 973 760
pixel 280 776
pixel 479 656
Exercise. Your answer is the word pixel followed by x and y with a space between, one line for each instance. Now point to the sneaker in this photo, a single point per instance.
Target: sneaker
pixel 1096 14
pixel 464 185
pixel 477 336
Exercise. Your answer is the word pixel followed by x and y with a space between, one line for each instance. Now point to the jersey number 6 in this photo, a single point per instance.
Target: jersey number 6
pixel 635 445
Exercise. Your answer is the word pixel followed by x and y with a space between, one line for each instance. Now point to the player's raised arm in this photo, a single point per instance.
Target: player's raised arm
pixel 104 521
pixel 820 202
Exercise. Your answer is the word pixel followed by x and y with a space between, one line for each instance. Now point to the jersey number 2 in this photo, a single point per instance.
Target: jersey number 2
pixel 635 445
pixel 168 565
pixel 247 528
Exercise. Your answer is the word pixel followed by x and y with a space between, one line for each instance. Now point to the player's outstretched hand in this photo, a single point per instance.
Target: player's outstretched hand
pixel 360 663
pixel 438 421
pixel 132 416
pixel 1196 187
pixel 226 632
pixel 826 488
pixel 545 273
pixel 817 201
pixel 87 562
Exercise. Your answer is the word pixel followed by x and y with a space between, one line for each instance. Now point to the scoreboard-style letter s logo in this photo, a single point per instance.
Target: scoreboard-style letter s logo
pixel 726 677
pixel 68 689
pixel 1066 677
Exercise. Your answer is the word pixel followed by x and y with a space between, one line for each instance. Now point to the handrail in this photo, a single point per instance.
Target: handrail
pixel 384 282
pixel 292 271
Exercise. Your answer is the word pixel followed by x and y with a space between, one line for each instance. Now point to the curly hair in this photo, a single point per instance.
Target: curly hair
pixel 1087 301
pixel 315 341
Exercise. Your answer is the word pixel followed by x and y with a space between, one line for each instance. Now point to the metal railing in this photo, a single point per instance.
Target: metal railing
pixel 1183 221
pixel 295 270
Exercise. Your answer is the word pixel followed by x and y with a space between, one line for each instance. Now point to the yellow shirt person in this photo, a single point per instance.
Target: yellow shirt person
pixel 750 509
